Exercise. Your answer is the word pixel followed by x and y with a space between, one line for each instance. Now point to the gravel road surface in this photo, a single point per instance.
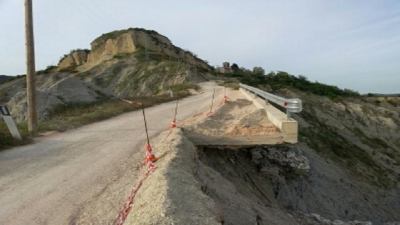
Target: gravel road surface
pixel 83 176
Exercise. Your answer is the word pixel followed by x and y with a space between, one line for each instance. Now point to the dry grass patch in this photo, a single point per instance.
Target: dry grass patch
pixel 65 117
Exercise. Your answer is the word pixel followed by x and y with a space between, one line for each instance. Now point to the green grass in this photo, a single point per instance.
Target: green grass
pixel 394 103
pixel 155 68
pixel 178 88
pixel 143 55
pixel 4 96
pixel 71 69
pixel 49 69
pixel 13 78
pixel 72 116
pixel 229 84
pixel 66 117
pixel 7 141
pixel 122 55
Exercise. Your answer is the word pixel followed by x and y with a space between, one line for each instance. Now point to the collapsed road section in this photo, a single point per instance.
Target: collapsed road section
pixel 204 178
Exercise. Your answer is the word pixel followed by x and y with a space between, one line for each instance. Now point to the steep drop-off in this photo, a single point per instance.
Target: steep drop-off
pixel 352 147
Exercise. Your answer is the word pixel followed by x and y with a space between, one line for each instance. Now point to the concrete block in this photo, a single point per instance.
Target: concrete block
pixel 288 126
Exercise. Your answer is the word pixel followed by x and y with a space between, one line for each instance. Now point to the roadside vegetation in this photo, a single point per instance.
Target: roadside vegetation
pixel 13 78
pixel 153 66
pixel 6 140
pixel 184 87
pixel 65 117
pixel 282 79
pixel 325 139
pixel 229 84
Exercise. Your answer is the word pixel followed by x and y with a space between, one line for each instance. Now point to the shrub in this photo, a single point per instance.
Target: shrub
pixel 6 140
pixel 48 70
pixel 283 80
pixel 184 87
pixel 258 71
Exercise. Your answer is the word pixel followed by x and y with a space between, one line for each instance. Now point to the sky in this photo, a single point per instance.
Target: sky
pixel 348 43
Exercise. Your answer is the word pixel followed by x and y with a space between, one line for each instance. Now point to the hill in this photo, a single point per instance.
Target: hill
pixel 351 140
pixel 4 78
pixel 345 169
pixel 121 64
pixel 352 143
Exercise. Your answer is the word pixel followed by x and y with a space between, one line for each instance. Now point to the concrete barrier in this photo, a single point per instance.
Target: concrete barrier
pixel 288 126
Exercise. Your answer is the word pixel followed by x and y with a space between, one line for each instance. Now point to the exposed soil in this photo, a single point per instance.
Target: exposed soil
pixel 83 176
pixel 237 123
pixel 261 185
pixel 201 183
pixel 241 193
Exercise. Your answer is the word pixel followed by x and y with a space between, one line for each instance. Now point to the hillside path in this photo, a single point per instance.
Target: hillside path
pixel 83 176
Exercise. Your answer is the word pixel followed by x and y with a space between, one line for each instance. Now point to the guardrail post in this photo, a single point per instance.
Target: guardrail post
pixel 5 113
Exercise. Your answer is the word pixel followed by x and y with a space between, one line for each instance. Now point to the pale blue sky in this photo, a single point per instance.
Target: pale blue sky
pixel 352 44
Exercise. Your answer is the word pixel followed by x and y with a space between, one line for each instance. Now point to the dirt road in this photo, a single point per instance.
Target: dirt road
pixel 83 176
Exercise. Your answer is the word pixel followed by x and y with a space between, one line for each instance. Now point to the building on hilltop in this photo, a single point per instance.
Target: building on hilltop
pixel 226 68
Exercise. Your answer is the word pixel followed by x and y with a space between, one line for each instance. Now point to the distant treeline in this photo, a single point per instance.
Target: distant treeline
pixel 4 78
pixel 381 95
pixel 279 80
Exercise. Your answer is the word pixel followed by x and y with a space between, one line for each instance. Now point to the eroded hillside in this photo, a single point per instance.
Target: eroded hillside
pixel 121 64
pixel 4 78
pixel 334 175
pixel 352 147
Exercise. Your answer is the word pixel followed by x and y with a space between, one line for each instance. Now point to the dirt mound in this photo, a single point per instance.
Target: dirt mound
pixel 237 123
pixel 172 195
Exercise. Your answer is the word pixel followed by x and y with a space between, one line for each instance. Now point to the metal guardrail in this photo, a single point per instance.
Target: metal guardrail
pixel 292 105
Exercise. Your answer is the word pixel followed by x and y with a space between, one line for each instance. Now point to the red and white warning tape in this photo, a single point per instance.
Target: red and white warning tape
pixel 173 124
pixel 150 158
pixel 123 214
pixel 149 161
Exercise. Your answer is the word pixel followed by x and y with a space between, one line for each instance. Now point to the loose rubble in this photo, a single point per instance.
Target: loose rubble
pixel 289 159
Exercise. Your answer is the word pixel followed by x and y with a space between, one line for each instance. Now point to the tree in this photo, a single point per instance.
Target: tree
pixel 258 70
pixel 235 67
pixel 302 78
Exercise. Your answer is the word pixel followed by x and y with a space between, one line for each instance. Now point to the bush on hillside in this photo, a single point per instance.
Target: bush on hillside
pixel 282 79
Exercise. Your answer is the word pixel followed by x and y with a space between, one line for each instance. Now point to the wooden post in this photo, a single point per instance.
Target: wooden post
pixel 30 69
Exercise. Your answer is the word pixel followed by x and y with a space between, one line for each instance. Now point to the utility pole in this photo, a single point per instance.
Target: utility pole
pixel 30 69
